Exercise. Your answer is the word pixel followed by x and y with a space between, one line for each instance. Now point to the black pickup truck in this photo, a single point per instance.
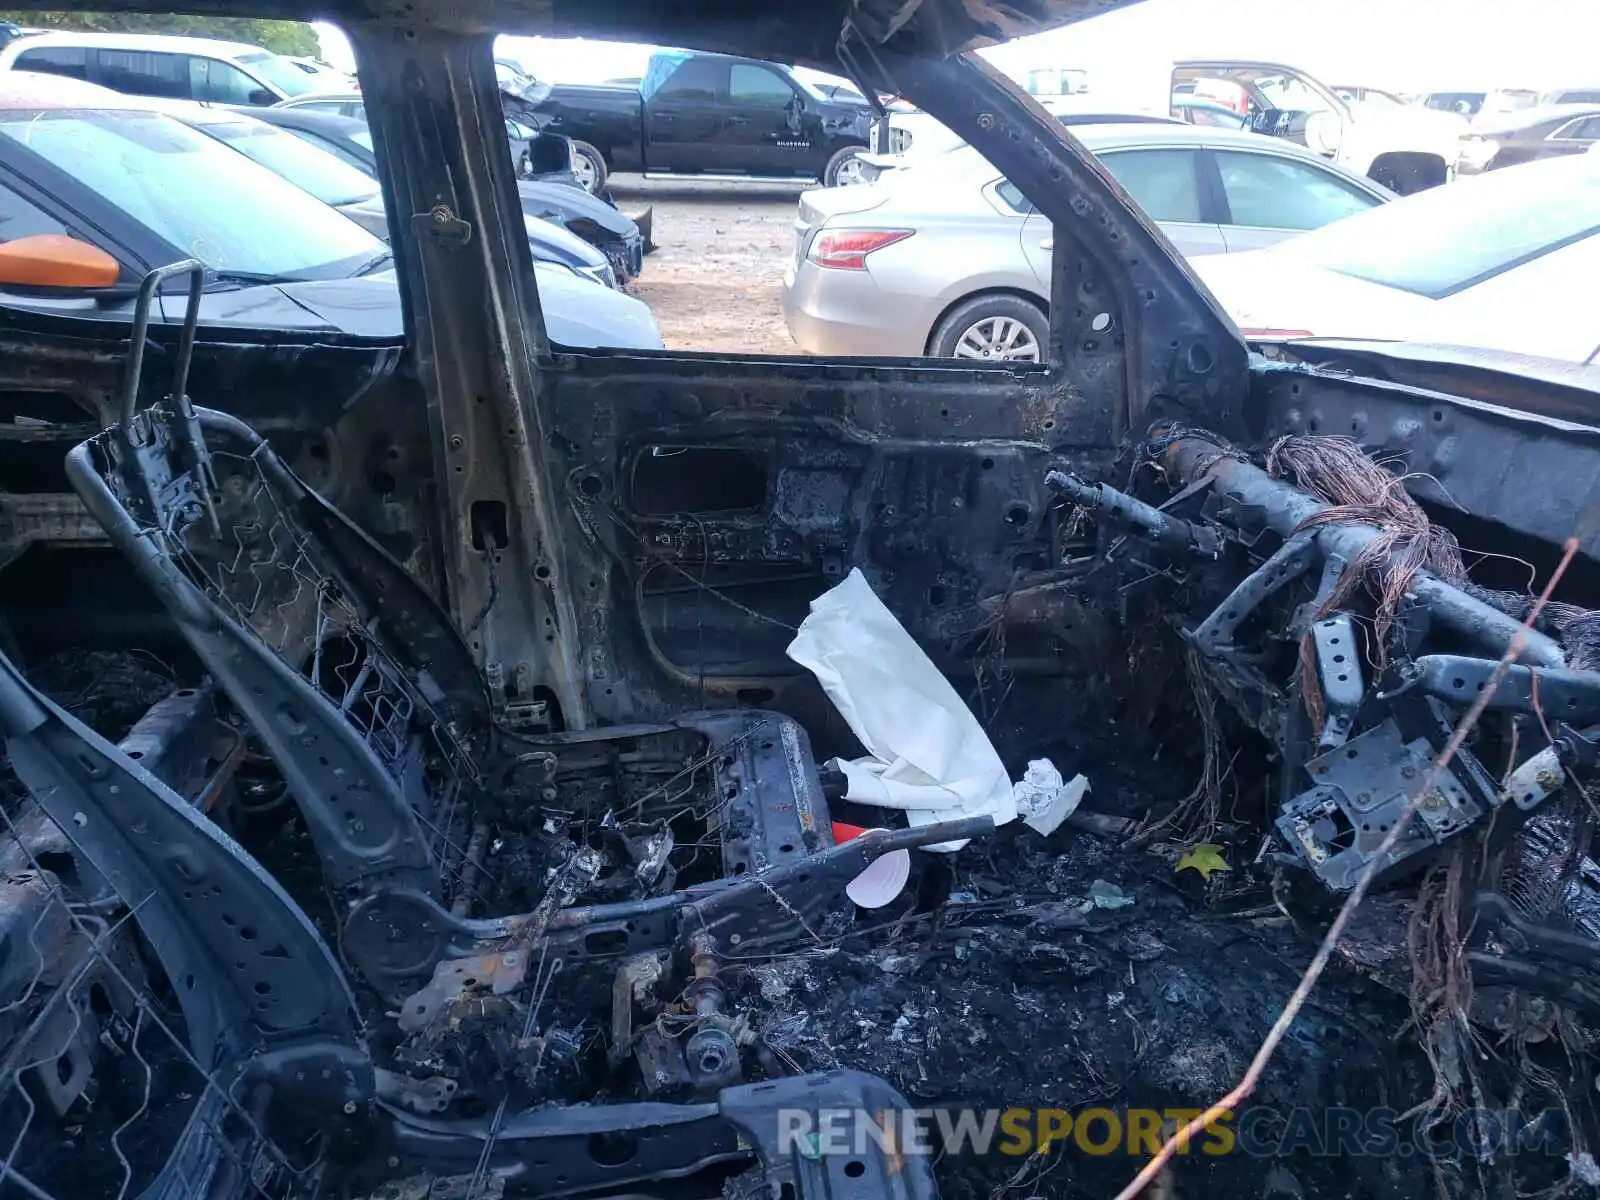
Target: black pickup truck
pixel 699 114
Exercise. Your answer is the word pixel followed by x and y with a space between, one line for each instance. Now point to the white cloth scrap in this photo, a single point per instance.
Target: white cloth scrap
pixel 926 753
pixel 1043 799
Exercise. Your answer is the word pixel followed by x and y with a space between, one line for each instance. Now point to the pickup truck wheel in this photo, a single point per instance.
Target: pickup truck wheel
pixel 997 328
pixel 589 166
pixel 844 168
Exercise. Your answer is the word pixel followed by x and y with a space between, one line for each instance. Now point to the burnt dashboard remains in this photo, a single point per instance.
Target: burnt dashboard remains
pixel 1313 594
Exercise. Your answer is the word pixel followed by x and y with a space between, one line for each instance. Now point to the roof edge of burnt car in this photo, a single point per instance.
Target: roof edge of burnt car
pixel 794 30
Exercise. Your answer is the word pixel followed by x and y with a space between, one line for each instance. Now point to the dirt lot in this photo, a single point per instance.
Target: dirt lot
pixel 714 282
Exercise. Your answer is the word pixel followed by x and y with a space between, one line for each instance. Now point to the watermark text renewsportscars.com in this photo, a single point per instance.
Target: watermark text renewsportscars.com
pixel 1139 1132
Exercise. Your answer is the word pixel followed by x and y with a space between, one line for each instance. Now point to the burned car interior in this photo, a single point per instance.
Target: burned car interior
pixel 470 837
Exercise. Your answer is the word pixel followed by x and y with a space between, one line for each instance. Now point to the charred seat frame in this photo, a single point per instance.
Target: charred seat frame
pixel 262 576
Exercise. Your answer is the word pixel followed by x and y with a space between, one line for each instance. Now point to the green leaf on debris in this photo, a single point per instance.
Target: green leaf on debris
pixel 1204 858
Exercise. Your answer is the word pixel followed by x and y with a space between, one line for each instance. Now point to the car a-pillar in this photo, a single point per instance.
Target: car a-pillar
pixel 475 333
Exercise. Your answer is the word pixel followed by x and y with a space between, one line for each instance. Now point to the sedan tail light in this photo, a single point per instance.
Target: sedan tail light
pixel 847 249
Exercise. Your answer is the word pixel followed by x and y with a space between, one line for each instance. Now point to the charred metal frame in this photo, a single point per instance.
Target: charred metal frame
pixel 933 483
pixel 510 492
pixel 505 409
pixel 389 753
pixel 1519 451
pixel 476 332
pixel 257 572
pixel 269 1018
pixel 1246 495
pixel 1264 556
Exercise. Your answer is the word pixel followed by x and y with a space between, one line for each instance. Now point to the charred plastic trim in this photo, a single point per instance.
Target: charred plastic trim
pixel 1256 499
pixel 1533 473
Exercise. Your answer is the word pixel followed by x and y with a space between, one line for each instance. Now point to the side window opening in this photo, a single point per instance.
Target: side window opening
pixel 144 73
pixel 1012 195
pixel 71 61
pixel 696 81
pixel 221 83
pixel 757 87
pixel 1270 192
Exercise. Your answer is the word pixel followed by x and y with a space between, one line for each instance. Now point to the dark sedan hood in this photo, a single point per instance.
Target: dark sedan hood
pixel 801 31
pixel 572 204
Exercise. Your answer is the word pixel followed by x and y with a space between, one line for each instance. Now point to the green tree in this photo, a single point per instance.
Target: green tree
pixel 286 37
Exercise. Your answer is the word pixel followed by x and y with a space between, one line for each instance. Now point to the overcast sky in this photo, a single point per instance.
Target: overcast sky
pixel 1405 45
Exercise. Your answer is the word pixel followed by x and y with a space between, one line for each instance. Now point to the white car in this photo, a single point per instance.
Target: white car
pixel 1402 147
pixel 324 76
pixel 1405 148
pixel 172 68
pixel 916 138
pixel 1508 261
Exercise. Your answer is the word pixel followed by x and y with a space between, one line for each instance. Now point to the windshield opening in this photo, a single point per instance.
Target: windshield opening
pixel 209 202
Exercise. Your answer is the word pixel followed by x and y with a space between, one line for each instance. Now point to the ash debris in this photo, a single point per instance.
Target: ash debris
pixel 1020 991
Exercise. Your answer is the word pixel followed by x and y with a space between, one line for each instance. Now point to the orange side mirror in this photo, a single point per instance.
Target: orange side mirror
pixel 53 260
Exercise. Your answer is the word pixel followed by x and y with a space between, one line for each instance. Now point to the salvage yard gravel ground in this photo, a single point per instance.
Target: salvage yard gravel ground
pixel 713 284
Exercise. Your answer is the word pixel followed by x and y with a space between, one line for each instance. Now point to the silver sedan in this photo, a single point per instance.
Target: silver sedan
pixel 946 258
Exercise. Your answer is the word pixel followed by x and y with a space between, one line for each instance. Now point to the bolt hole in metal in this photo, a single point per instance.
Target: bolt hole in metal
pixel 998 339
pixel 611 1149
